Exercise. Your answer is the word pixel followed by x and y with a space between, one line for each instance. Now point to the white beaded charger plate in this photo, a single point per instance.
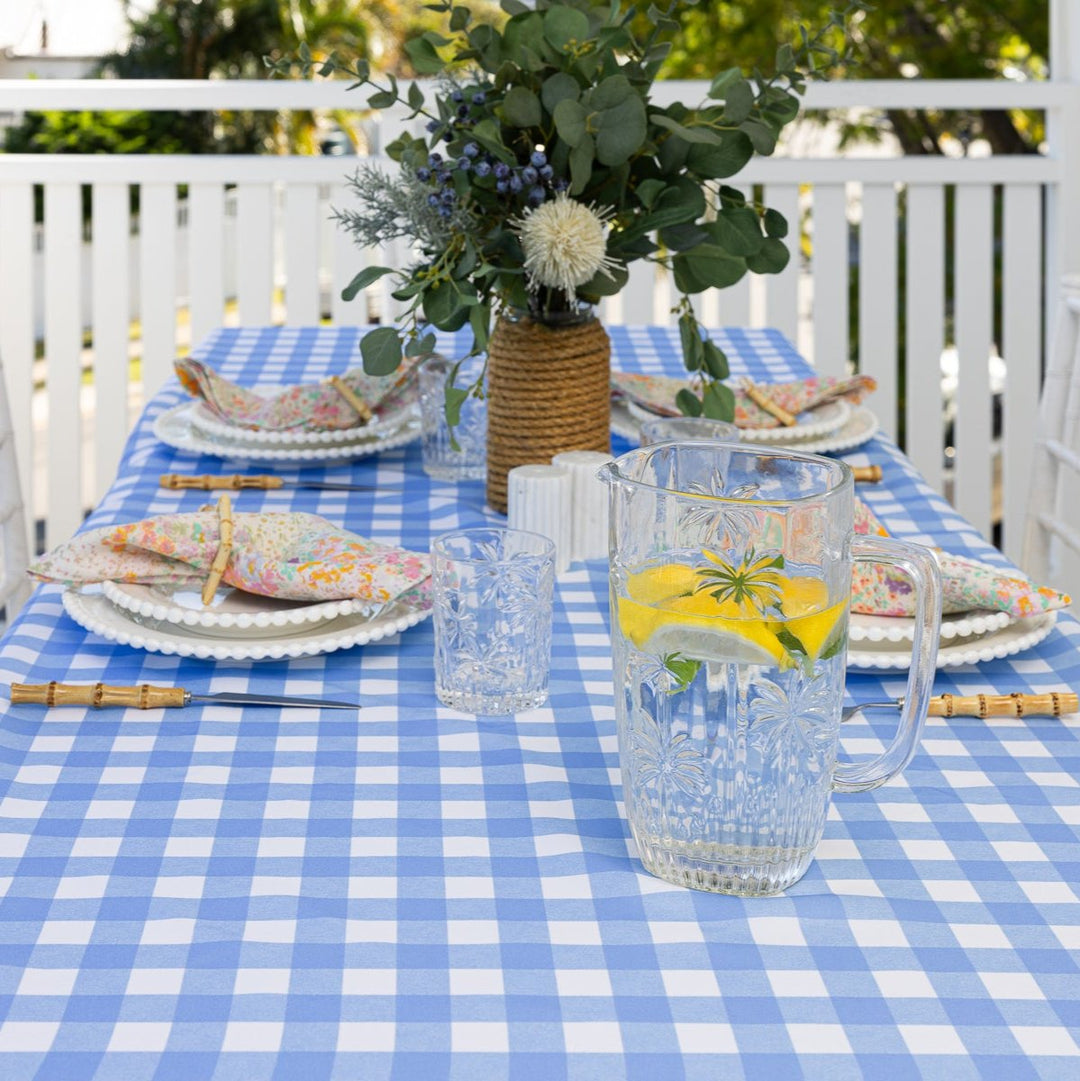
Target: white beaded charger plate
pixel 959 625
pixel 860 426
pixel 90 608
pixel 206 422
pixel 230 609
pixel 174 428
pixel 1013 638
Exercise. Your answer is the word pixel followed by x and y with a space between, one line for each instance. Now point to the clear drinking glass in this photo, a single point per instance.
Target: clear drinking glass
pixel 441 460
pixel 663 429
pixel 492 589
pixel 730 585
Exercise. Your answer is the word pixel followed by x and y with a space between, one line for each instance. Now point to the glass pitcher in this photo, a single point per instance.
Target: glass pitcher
pixel 730 587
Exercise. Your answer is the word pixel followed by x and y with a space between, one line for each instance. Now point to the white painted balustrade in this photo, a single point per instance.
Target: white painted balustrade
pixel 250 242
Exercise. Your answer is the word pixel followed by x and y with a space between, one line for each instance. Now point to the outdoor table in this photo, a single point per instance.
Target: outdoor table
pixel 413 892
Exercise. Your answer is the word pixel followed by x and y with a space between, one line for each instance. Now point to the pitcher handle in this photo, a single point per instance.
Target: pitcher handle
pixel 919 565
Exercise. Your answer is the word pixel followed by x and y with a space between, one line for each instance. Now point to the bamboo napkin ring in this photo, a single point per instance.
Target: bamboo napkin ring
pixel 363 410
pixel 760 398
pixel 221 559
pixel 866 474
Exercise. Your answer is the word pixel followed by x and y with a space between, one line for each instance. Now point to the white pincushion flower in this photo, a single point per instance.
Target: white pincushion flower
pixel 565 244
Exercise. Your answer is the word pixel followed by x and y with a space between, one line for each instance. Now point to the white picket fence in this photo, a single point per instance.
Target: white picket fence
pixel 850 210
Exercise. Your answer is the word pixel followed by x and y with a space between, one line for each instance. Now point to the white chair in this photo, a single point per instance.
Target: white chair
pixel 14 585
pixel 1051 550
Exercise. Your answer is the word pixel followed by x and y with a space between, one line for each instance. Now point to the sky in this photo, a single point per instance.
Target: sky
pixel 76 27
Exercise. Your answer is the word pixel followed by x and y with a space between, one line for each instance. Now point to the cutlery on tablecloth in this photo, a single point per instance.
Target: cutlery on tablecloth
pixel 264 481
pixel 1055 704
pixel 147 696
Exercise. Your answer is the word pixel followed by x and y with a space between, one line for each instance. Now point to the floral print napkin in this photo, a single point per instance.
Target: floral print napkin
pixel 967 585
pixel 656 393
pixel 307 407
pixel 293 556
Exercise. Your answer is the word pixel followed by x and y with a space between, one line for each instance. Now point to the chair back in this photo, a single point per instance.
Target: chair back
pixel 1051 552
pixel 14 585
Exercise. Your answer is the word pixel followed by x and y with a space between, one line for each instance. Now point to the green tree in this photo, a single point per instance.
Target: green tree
pixel 201 39
pixel 897 39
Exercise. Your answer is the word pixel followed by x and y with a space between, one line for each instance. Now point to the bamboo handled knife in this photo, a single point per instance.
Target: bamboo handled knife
pixel 147 696
pixel 234 482
pixel 1055 704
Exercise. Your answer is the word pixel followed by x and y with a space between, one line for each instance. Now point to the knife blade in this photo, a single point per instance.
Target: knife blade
pixel 266 482
pixel 147 696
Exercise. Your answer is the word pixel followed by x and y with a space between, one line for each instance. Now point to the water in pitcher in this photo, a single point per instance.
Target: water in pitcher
pixel 728 711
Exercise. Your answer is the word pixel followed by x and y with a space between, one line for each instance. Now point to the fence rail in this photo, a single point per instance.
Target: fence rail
pixel 896 258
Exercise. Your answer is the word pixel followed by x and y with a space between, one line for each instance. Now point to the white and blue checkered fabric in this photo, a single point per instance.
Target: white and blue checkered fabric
pixel 216 894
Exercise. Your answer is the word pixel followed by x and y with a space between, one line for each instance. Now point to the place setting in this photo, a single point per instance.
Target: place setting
pixel 222 585
pixel 816 415
pixel 339 419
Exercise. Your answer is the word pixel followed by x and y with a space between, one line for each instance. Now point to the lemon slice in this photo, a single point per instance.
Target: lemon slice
pixel 713 644
pixel 663 614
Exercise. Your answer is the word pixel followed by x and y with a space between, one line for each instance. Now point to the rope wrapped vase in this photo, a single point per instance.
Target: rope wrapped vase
pixel 549 391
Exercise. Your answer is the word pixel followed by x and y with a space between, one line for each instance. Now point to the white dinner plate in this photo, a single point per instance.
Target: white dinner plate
pixel 230 609
pixel 1013 638
pixel 174 427
pixel 90 608
pixel 207 423
pixel 860 426
pixel 871 629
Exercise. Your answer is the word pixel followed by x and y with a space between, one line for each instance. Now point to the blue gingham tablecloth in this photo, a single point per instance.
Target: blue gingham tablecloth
pixel 415 893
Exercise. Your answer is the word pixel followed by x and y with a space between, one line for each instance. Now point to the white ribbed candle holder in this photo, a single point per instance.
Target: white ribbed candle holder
pixel 588 503
pixel 538 499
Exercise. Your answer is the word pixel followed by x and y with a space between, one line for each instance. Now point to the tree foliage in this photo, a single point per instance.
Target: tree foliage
pixel 895 39
pixel 225 39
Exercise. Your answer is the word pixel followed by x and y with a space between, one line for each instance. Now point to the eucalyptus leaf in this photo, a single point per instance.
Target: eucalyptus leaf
pixel 480 322
pixel 515 7
pixel 381 99
pixel 363 280
pixel 454 400
pixel 681 237
pixel 381 350
pixel 718 402
pixel 648 190
pixel 706 266
pixel 559 87
pixel 605 285
pixel 716 362
pixel 738 100
pixel 581 160
pixel 693 348
pixel 564 25
pixel 424 57
pixel 723 160
pixel 571 122
pixel 460 18
pixel 688 134
pixel 621 132
pixel 721 82
pixel 775 224
pixel 738 231
pixel 761 135
pixel 614 90
pixel 416 96
pixel 771 259
pixel 418 346
pixel 688 402
pixel 445 307
pixel 521 108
